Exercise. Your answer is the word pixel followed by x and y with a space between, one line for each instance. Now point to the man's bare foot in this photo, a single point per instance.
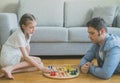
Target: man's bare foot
pixel 7 72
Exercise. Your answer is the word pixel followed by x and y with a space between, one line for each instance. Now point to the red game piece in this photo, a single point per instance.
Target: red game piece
pixel 53 73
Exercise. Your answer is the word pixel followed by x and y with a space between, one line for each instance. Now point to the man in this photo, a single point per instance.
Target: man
pixel 105 49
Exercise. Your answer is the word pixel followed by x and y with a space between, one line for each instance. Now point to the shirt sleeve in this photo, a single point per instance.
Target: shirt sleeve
pixel 20 41
pixel 112 59
pixel 17 39
pixel 89 56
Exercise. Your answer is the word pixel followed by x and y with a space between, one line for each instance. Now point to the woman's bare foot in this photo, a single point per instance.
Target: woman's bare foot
pixel 2 75
pixel 7 72
pixel 46 70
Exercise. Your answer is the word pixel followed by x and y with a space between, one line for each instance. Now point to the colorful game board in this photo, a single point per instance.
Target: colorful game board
pixel 63 71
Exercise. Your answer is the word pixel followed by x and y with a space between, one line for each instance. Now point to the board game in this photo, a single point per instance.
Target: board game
pixel 63 71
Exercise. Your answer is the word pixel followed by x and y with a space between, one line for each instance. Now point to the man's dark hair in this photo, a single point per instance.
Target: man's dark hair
pixel 97 23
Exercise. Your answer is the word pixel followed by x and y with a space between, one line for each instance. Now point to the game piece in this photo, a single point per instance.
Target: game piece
pixel 65 71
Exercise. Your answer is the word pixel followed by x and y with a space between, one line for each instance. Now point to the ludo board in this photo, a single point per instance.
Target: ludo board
pixel 63 71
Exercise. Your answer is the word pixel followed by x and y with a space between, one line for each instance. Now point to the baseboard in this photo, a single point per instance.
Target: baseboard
pixel 61 57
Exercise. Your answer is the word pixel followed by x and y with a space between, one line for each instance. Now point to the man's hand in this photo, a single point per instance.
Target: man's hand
pixel 85 67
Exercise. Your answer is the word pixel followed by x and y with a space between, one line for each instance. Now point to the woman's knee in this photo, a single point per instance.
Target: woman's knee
pixel 37 59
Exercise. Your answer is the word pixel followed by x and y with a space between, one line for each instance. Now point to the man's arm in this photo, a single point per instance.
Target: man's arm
pixel 89 56
pixel 112 59
pixel 85 68
pixel 85 62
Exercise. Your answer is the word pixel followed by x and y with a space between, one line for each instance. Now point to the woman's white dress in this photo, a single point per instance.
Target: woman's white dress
pixel 10 52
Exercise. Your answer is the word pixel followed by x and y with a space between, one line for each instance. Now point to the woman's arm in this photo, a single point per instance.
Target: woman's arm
pixel 28 49
pixel 29 59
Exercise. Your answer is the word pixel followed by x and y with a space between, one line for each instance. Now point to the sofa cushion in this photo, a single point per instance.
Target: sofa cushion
pixel 78 34
pixel 50 34
pixel 114 30
pixel 75 15
pixel 118 17
pixel 47 12
pixel 105 12
pixel 118 20
pixel 79 12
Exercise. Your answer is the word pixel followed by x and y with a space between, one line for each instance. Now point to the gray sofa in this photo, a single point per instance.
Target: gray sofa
pixel 61 24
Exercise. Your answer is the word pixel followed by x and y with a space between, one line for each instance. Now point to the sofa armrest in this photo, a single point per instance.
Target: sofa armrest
pixel 8 22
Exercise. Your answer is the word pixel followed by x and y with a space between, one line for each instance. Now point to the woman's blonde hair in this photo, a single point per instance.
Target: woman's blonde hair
pixel 25 19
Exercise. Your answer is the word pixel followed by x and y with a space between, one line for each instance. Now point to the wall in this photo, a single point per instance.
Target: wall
pixel 12 5
pixel 8 5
